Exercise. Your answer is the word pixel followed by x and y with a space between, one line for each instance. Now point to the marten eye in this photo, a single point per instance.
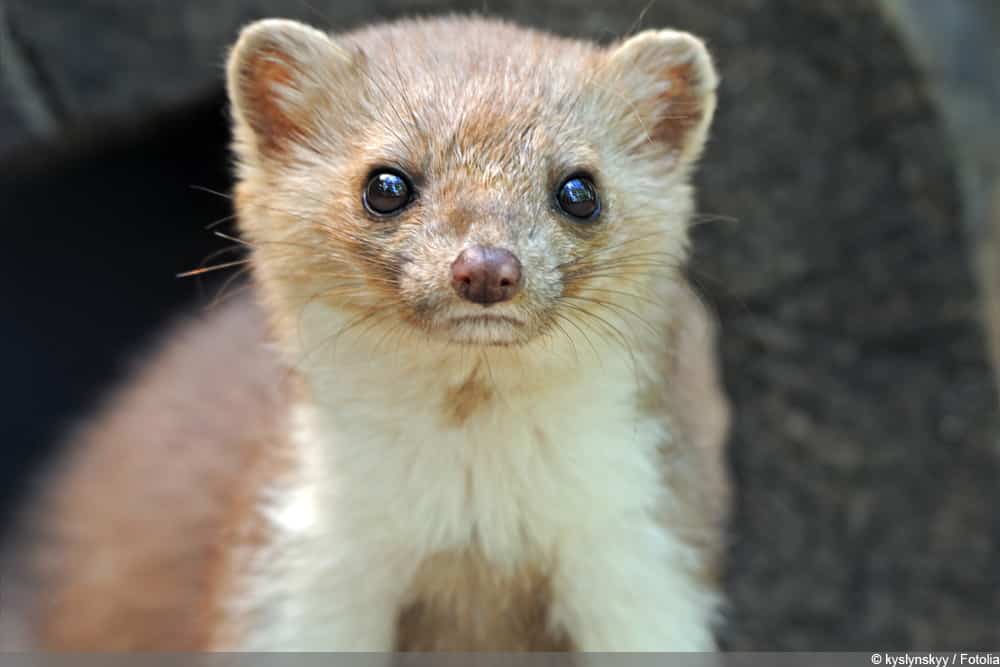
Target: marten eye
pixel 577 196
pixel 387 192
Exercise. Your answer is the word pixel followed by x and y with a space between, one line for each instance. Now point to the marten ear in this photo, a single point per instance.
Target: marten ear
pixel 281 74
pixel 668 81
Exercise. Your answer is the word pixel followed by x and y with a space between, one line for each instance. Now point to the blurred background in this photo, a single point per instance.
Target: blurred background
pixel 853 187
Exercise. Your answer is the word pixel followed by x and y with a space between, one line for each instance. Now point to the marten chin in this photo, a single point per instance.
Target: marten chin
pixel 470 402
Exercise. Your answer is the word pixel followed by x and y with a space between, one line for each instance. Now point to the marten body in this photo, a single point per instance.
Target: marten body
pixel 470 404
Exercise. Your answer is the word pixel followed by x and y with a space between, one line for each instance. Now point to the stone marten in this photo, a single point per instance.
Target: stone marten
pixel 470 402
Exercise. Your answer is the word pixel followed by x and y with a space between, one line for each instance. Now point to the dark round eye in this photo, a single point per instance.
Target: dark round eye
pixel 387 192
pixel 577 196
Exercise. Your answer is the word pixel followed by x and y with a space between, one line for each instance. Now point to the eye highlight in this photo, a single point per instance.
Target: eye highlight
pixel 388 192
pixel 577 197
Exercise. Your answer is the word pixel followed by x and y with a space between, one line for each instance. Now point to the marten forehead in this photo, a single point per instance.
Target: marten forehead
pixel 466 45
pixel 488 123
pixel 478 91
pixel 480 138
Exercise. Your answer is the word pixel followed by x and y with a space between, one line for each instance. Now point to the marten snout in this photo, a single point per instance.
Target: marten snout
pixel 486 275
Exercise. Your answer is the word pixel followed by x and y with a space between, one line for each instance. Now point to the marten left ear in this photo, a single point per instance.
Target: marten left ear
pixel 282 77
pixel 668 81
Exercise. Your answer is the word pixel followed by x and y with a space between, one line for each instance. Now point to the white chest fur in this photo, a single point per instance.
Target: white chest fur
pixel 556 464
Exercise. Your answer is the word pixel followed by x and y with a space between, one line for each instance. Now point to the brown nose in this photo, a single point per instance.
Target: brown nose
pixel 486 275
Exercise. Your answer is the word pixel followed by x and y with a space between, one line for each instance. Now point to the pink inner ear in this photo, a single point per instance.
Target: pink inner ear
pixel 266 72
pixel 683 103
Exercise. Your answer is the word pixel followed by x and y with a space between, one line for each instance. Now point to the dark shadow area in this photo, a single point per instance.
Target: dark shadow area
pixel 97 224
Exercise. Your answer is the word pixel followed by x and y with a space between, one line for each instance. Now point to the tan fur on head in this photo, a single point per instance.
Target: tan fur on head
pixel 486 139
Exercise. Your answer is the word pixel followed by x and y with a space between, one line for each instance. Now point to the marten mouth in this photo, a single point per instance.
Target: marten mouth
pixel 487 320
pixel 486 329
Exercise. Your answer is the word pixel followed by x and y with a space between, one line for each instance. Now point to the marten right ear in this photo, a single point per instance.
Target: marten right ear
pixel 281 75
pixel 667 80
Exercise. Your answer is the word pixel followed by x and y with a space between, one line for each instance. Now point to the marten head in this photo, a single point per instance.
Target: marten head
pixel 467 180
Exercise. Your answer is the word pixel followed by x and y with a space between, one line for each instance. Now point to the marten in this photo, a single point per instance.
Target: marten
pixel 469 402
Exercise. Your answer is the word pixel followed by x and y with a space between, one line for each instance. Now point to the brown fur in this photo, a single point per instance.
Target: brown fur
pixel 684 103
pixel 461 602
pixel 269 70
pixel 689 390
pixel 467 398
pixel 127 551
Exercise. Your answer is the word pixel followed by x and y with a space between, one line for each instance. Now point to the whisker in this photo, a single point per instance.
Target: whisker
pixel 587 271
pixel 559 327
pixel 202 188
pixel 703 218
pixel 220 221
pixel 224 295
pixel 613 307
pixel 626 345
pixel 641 281
pixel 608 249
pixel 638 21
pixel 631 295
pixel 209 269
pixel 234 239
pixel 572 323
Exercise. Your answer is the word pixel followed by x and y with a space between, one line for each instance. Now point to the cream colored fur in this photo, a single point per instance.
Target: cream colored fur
pixel 562 470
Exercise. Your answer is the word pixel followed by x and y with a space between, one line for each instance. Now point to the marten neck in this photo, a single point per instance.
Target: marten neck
pixel 432 424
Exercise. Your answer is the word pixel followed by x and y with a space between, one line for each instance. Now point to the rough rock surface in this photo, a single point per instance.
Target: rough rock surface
pixel 866 425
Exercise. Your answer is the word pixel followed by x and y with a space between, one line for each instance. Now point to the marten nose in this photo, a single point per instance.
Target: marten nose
pixel 486 275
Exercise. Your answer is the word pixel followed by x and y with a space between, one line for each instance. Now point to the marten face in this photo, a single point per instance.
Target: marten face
pixel 475 182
